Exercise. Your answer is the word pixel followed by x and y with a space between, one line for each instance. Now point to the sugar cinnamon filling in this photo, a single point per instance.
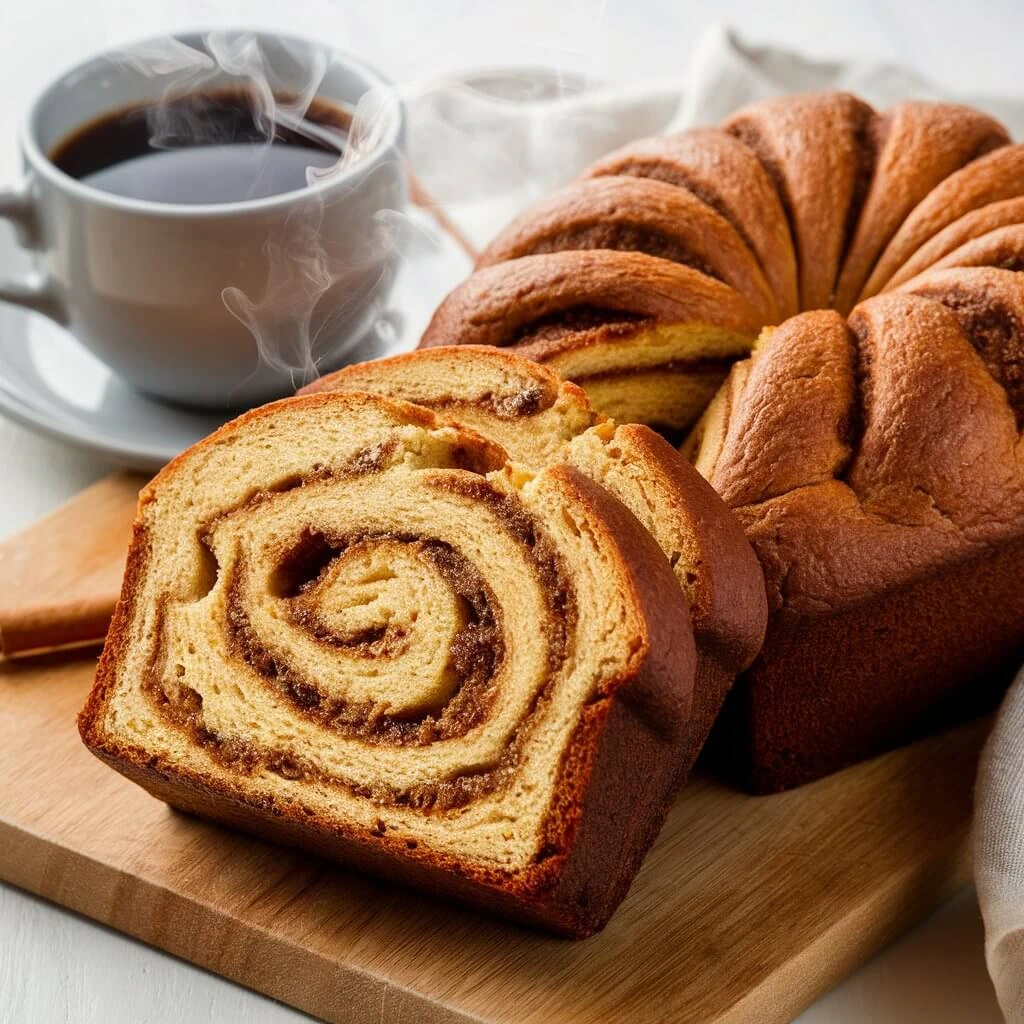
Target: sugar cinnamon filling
pixel 1011 261
pixel 582 319
pixel 476 652
pixel 716 366
pixel 476 655
pixel 182 707
pixel 523 403
pixel 998 336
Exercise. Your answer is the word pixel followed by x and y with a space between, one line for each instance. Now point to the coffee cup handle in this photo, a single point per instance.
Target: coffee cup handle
pixel 36 290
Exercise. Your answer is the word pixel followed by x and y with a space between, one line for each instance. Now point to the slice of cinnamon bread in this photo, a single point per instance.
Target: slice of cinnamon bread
pixel 350 625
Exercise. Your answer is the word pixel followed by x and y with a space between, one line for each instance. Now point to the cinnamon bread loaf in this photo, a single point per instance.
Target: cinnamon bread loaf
pixel 349 624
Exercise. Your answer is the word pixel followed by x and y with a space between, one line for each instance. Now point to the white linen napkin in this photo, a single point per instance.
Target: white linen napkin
pixel 999 852
pixel 485 146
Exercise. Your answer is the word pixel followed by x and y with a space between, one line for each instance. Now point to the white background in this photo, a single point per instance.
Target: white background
pixel 57 967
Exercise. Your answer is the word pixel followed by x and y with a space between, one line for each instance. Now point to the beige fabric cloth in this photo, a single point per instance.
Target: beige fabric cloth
pixel 486 146
pixel 999 852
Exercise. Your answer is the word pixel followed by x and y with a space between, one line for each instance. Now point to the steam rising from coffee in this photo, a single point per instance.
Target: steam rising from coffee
pixel 312 307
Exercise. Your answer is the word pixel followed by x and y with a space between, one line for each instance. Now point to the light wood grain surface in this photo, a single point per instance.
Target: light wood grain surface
pixel 745 911
pixel 59 578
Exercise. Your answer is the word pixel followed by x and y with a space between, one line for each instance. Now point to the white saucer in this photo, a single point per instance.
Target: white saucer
pixel 50 383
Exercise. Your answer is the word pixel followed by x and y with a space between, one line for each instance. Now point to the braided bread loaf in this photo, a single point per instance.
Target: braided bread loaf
pixel 350 624
pixel 647 278
pixel 877 466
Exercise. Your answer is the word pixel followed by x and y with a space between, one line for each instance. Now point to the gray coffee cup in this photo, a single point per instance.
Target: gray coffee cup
pixel 215 305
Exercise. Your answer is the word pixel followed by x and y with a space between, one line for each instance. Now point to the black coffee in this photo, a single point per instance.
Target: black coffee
pixel 203 147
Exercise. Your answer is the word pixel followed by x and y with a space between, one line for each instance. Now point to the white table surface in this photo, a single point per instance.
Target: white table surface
pixel 55 966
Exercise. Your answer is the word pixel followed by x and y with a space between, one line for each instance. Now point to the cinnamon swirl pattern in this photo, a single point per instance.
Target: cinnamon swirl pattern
pixel 647 278
pixel 351 625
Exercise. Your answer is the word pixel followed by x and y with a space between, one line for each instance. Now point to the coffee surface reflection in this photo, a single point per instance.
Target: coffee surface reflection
pixel 205 147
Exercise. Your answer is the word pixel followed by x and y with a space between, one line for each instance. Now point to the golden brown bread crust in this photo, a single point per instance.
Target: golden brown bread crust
pixel 1002 248
pixel 989 303
pixel 593 852
pixel 500 304
pixel 713 562
pixel 724 174
pixel 633 214
pixel 992 178
pixel 905 477
pixel 724 585
pixel 802 372
pixel 819 151
pixel 861 476
pixel 838 688
pixel 967 228
pixel 919 145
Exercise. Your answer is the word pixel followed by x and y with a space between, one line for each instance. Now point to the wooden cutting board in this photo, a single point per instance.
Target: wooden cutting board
pixel 747 909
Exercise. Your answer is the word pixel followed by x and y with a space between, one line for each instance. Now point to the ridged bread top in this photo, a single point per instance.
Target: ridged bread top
pixel 648 277
pixel 863 454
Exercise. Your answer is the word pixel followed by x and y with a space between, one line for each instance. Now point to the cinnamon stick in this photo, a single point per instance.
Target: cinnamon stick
pixel 60 577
